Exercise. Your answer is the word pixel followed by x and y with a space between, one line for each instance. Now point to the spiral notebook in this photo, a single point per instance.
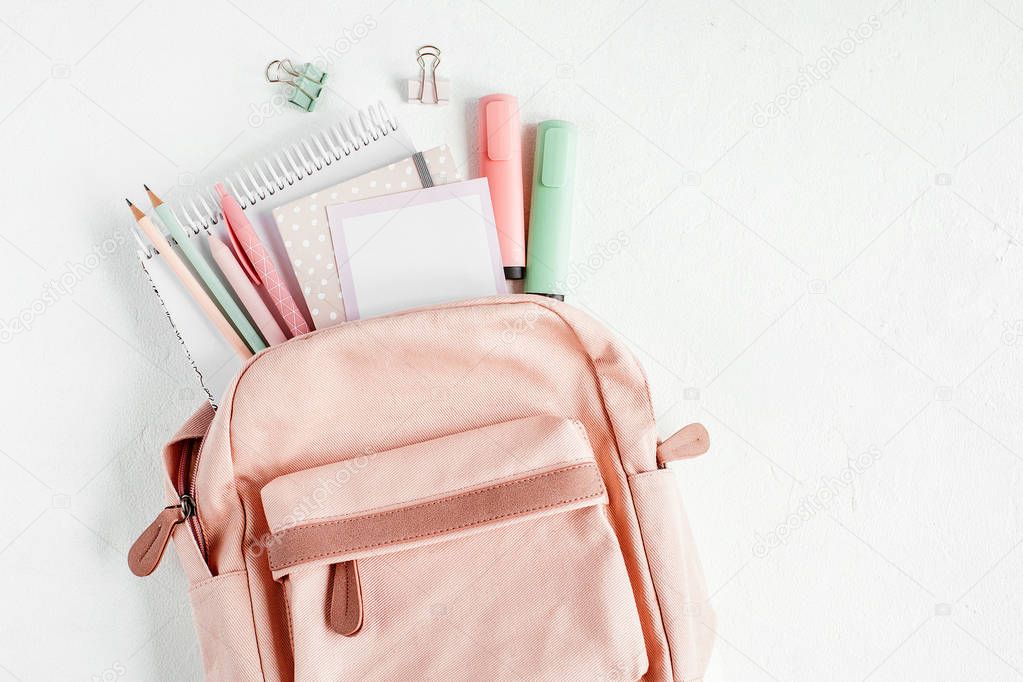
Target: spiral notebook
pixel 368 140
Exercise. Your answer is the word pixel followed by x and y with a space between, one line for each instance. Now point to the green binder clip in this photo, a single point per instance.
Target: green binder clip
pixel 306 81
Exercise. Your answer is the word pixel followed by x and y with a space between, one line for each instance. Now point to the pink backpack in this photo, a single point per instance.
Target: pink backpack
pixel 472 491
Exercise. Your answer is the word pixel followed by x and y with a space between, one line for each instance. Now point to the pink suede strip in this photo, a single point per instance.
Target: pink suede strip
pixel 493 503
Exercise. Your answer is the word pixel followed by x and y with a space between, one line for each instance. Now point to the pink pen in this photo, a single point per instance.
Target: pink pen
pixel 231 268
pixel 501 164
pixel 257 263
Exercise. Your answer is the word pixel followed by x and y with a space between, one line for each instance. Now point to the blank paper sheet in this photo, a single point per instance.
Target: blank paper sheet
pixel 417 248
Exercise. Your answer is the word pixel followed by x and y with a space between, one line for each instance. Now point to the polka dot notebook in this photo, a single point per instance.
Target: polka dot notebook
pixel 306 235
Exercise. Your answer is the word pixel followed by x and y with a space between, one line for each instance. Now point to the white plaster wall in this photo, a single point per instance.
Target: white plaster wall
pixel 832 284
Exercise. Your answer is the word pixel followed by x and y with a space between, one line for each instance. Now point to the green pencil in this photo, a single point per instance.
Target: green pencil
pixel 221 294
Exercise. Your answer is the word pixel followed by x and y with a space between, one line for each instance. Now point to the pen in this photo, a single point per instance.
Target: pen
pixel 209 277
pixel 501 164
pixel 550 216
pixel 248 295
pixel 257 263
pixel 188 280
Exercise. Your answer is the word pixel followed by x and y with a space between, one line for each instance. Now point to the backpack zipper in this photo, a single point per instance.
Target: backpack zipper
pixel 186 494
pixel 147 551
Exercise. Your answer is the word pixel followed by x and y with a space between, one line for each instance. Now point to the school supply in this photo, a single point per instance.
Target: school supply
pixel 306 81
pixel 501 163
pixel 231 268
pixel 181 271
pixel 417 248
pixel 257 264
pixel 368 140
pixel 214 285
pixel 306 234
pixel 213 359
pixel 464 492
pixel 428 89
pixel 550 215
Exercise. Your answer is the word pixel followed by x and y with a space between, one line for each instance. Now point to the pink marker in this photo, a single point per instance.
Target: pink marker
pixel 501 164
pixel 257 263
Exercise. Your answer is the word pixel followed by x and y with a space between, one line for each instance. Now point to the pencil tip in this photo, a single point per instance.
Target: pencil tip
pixel 153 199
pixel 139 215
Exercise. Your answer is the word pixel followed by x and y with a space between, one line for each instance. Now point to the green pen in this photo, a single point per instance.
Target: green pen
pixel 220 293
pixel 549 241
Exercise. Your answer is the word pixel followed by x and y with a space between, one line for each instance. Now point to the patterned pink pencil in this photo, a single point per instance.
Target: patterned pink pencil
pixel 257 263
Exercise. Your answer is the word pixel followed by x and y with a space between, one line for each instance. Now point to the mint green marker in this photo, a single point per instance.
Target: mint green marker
pixel 549 241
pixel 221 295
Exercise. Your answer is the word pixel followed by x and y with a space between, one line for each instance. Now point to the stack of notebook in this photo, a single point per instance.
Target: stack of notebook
pixel 358 224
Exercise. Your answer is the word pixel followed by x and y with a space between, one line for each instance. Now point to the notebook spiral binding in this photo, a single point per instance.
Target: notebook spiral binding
pixel 273 173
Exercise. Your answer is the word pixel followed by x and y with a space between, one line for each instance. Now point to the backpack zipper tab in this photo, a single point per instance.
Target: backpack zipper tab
pixel 147 551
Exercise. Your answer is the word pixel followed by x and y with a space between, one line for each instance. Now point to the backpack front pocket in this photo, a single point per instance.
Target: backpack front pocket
pixel 483 555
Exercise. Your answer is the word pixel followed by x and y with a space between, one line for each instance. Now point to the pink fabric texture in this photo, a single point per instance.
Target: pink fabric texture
pixel 547 599
pixel 675 571
pixel 389 411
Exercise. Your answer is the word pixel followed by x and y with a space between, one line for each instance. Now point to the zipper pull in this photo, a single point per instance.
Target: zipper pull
pixel 689 441
pixel 346 599
pixel 145 555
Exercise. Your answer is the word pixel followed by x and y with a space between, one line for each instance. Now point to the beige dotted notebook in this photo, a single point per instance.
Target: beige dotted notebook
pixel 306 235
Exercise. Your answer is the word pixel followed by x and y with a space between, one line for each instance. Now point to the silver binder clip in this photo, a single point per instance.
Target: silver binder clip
pixel 428 89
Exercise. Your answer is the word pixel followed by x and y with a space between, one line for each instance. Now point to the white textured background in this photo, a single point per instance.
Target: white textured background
pixel 832 284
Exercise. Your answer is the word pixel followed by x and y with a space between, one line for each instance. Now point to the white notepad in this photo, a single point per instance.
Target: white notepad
pixel 416 248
